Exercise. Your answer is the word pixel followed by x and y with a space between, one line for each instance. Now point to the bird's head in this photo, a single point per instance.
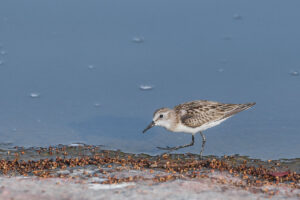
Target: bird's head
pixel 164 117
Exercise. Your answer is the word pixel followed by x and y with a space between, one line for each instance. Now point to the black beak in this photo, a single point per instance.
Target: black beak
pixel 148 127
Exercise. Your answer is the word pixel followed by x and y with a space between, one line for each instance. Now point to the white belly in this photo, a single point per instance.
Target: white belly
pixel 182 128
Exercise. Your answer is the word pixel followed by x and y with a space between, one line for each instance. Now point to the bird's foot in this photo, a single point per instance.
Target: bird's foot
pixel 201 156
pixel 167 148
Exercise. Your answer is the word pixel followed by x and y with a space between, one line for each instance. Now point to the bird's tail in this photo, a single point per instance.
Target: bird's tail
pixel 239 108
pixel 246 106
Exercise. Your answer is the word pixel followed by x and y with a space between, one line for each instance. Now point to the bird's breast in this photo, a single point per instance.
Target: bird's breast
pixel 193 130
pixel 185 129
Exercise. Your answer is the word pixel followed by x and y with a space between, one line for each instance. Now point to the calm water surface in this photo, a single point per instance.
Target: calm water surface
pixel 70 71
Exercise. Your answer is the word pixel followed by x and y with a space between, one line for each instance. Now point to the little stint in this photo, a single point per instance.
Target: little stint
pixel 193 117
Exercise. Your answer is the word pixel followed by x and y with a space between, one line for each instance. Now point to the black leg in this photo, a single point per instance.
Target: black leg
pixel 203 144
pixel 178 147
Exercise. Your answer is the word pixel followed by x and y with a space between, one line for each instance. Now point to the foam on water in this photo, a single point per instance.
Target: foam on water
pixel 294 73
pixel 35 95
pixel 97 104
pixel 146 87
pixel 237 16
pixel 138 39
pixel 91 66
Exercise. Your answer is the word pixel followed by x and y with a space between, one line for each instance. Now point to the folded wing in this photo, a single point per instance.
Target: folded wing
pixel 197 113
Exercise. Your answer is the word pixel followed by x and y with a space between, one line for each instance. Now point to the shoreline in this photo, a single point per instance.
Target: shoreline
pixel 94 168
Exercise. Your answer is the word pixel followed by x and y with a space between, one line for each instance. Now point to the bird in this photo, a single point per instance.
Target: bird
pixel 193 117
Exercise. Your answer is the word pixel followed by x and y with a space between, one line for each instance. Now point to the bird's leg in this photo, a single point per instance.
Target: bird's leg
pixel 203 144
pixel 178 147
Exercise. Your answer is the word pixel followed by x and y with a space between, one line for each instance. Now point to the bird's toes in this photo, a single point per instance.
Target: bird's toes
pixel 164 148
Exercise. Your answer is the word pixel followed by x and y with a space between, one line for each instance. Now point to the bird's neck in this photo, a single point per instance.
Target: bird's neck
pixel 172 122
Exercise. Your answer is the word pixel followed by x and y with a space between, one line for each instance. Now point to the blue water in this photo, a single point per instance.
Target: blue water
pixel 227 51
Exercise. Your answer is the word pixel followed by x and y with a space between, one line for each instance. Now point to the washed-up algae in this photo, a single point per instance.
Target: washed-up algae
pixel 53 162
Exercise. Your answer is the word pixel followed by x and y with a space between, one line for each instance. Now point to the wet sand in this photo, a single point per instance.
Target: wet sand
pixel 90 172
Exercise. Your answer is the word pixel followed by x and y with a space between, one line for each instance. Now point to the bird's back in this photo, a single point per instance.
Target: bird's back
pixel 202 112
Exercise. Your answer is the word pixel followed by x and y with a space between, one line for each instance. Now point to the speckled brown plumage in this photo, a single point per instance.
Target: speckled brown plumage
pixel 196 113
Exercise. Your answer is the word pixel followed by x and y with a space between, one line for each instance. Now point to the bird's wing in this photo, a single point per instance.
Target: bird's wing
pixel 196 113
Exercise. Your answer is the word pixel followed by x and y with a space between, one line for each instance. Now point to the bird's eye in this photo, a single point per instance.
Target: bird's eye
pixel 161 116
